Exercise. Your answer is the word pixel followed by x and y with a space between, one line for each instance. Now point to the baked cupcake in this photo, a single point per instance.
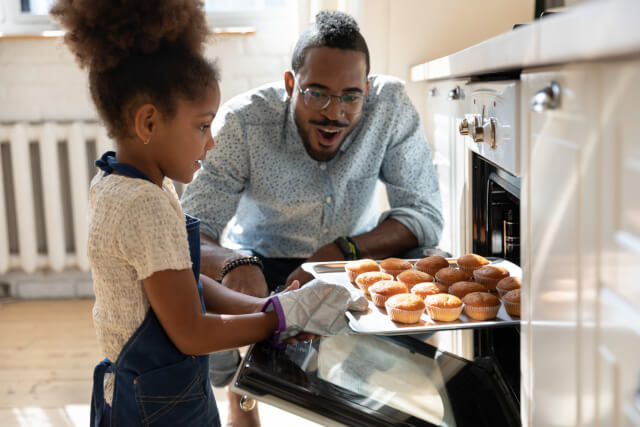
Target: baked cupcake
pixel 394 266
pixel 411 277
pixel 470 262
pixel 481 305
pixel 432 264
pixel 443 307
pixel 355 268
pixel 448 276
pixel 460 289
pixel 508 284
pixel 511 302
pixel 368 278
pixel 490 275
pixel 405 308
pixel 423 290
pixel 382 290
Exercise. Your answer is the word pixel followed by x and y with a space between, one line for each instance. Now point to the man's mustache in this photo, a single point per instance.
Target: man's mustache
pixel 329 123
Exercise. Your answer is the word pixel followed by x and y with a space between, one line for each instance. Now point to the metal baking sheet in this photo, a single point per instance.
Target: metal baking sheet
pixel 375 321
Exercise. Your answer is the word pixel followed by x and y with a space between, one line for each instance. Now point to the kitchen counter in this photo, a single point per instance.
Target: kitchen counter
pixel 595 30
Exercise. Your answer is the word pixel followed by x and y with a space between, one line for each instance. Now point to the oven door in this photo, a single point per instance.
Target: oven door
pixel 368 380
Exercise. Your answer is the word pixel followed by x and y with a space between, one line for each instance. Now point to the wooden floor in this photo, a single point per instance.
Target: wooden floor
pixel 47 353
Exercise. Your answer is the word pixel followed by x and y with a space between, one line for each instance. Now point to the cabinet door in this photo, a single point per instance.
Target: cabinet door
pixel 449 154
pixel 619 294
pixel 559 205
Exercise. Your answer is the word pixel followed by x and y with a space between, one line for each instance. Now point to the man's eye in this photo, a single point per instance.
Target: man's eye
pixel 350 98
pixel 318 94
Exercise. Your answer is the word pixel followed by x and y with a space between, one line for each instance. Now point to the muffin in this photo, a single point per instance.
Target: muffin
pixel 511 302
pixel 368 278
pixel 443 307
pixel 432 264
pixel 382 290
pixel 394 266
pixel 470 262
pixel 481 305
pixel 355 268
pixel 460 289
pixel 508 284
pixel 405 308
pixel 448 276
pixel 411 277
pixel 490 275
pixel 423 290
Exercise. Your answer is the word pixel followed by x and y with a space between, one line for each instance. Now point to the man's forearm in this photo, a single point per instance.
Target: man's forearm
pixel 390 238
pixel 213 256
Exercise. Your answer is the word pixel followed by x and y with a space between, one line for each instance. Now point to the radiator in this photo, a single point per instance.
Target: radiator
pixel 45 170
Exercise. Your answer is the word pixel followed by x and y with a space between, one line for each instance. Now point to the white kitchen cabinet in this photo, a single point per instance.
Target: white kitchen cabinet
pixel 452 161
pixel 443 106
pixel 581 247
pixel 559 208
pixel 618 350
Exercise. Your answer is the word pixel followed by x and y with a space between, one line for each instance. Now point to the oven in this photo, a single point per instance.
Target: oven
pixel 403 380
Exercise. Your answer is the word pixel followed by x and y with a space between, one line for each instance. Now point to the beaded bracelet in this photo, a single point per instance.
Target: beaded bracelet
pixel 238 262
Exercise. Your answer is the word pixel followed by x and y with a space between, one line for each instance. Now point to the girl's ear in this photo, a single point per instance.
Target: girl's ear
pixel 145 120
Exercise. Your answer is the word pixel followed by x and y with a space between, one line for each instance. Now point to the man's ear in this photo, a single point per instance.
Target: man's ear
pixel 145 120
pixel 289 82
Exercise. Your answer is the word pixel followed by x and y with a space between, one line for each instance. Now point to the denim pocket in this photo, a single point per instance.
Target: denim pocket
pixel 173 395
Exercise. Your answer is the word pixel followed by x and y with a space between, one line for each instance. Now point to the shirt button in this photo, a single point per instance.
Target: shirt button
pixel 323 166
pixel 325 230
pixel 328 199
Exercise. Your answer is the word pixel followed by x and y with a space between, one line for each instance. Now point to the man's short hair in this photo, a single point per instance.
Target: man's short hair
pixel 331 29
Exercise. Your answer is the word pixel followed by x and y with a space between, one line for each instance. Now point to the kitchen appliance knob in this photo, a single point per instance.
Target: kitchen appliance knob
pixel 454 93
pixel 489 132
pixel 546 99
pixel 464 127
pixel 247 403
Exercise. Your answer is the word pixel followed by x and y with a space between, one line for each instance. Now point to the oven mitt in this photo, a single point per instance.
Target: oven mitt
pixel 318 308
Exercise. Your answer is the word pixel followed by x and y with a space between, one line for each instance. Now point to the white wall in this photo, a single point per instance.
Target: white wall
pixel 39 79
pixel 403 33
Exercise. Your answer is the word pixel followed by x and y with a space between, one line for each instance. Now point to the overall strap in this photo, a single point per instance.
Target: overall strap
pixel 109 164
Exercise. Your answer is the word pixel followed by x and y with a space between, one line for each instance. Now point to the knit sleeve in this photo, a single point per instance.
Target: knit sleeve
pixel 152 236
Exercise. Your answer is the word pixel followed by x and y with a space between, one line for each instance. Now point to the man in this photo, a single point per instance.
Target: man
pixel 296 167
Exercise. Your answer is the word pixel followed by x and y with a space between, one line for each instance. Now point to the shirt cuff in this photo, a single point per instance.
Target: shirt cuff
pixel 426 234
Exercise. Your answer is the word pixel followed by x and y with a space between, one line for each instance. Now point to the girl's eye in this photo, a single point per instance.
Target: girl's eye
pixel 203 128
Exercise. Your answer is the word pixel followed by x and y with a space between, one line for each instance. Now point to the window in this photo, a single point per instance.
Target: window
pixel 36 7
pixel 31 16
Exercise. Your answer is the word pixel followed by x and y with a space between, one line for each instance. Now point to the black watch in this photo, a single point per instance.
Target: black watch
pixel 347 247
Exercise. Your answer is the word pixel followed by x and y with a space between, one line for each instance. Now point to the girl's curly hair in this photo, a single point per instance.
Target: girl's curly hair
pixel 138 51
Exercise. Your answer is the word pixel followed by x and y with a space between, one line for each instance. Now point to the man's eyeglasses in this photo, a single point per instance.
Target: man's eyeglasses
pixel 319 99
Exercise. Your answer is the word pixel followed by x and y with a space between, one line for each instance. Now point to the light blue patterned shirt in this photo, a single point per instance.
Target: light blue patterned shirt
pixel 285 204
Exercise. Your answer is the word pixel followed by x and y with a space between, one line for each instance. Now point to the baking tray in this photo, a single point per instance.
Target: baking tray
pixel 374 321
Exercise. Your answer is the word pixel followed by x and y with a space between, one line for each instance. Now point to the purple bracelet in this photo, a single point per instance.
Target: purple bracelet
pixel 282 324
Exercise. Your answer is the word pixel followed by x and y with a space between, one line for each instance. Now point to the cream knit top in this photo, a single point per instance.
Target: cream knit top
pixel 135 229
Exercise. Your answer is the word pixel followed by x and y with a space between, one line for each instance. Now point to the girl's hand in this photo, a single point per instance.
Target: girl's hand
pixel 303 336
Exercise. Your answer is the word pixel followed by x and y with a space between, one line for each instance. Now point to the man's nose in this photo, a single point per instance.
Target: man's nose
pixel 333 110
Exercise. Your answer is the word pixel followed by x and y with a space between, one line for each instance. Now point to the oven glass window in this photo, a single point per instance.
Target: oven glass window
pixel 386 374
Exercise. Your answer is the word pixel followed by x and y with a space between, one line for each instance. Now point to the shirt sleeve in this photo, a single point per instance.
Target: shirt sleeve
pixel 152 236
pixel 409 174
pixel 215 192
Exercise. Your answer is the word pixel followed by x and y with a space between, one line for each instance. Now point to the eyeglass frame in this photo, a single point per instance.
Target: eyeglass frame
pixel 341 102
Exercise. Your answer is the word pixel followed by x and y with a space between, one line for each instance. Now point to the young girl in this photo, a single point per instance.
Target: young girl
pixel 157 96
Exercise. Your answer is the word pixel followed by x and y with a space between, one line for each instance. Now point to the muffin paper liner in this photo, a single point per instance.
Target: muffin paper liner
pixel 444 314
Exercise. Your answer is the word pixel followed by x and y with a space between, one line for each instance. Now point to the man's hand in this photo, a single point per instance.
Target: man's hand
pixel 247 279
pixel 300 275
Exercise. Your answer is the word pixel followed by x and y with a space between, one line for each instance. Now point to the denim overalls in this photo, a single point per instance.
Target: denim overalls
pixel 154 383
